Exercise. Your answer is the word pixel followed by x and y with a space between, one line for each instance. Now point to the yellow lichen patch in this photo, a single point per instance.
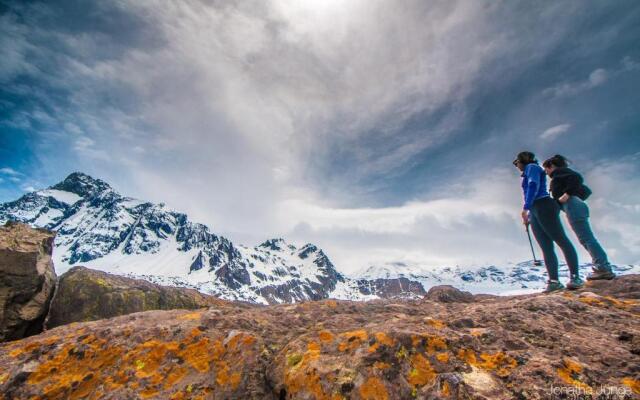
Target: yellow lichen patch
pixel 633 384
pixel 381 365
pixel 190 316
pixel 3 378
pixel 442 357
pixel 353 339
pixel 436 323
pixel 325 336
pixel 373 389
pixel 570 373
pixel 422 372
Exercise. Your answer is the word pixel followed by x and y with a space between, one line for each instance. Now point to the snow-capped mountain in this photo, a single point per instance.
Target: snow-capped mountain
pixel 98 228
pixel 101 229
pixel 524 277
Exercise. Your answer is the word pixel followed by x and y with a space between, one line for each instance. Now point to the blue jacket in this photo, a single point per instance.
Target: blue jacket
pixel 534 184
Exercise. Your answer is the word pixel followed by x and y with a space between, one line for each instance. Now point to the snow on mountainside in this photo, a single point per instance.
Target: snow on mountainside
pixel 101 229
pixel 524 277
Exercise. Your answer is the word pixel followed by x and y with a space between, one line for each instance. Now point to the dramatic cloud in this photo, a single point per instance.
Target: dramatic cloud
pixel 376 130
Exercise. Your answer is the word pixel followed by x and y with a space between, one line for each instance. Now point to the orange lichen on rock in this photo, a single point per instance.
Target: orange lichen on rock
pixel 435 344
pixel 353 339
pixel 446 389
pixel 422 372
pixel 499 362
pixel 65 375
pixel 436 323
pixel 224 377
pixel 381 365
pixel 313 350
pixel 442 357
pixel 35 345
pixel 381 340
pixel 301 376
pixel 190 316
pixel 373 389
pixel 325 336
pixel 633 384
pixel 331 303
pixel 570 373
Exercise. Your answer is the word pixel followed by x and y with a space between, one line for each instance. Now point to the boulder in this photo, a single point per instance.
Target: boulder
pixel 538 346
pixel 448 294
pixel 85 294
pixel 27 279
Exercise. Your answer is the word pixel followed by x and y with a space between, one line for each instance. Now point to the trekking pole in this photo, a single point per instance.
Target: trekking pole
pixel 536 262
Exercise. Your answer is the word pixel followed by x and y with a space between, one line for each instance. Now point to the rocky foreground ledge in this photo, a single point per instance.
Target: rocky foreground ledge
pixel 524 347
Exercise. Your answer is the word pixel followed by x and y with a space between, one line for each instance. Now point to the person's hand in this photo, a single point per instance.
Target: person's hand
pixel 564 198
pixel 525 217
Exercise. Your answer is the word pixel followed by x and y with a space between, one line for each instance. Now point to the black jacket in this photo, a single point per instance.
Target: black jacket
pixel 566 180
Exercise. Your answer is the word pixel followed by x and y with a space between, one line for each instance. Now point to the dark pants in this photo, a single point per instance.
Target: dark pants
pixel 547 229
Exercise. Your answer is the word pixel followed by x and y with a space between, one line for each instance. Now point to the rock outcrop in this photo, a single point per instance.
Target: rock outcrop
pixel 540 346
pixel 86 295
pixel 27 279
pixel 448 294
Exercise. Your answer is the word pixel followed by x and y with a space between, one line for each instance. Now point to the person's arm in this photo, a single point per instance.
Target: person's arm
pixel 573 184
pixel 532 175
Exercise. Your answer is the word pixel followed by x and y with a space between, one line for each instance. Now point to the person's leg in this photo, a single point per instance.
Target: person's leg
pixel 578 216
pixel 546 244
pixel 549 218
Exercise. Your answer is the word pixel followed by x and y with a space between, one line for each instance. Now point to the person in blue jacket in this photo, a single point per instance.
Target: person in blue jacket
pixel 543 214
pixel 568 188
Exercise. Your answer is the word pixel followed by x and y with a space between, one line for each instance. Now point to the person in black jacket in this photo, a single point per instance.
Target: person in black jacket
pixel 568 188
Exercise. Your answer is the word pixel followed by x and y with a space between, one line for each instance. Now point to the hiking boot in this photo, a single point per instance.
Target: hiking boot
pixel 553 286
pixel 599 274
pixel 575 283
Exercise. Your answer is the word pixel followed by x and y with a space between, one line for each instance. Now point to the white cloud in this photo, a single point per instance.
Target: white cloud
pixel 479 224
pixel 596 78
pixel 9 171
pixel 555 131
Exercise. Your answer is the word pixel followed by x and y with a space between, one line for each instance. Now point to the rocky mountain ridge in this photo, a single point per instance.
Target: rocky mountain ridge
pixel 101 229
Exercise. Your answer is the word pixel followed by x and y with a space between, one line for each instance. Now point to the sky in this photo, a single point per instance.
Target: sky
pixel 381 131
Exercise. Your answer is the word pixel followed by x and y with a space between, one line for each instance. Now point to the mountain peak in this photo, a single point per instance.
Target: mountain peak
pixel 82 184
pixel 274 244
